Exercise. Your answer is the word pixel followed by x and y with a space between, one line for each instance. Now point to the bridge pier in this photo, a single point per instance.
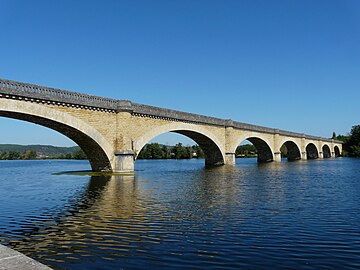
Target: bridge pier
pixel 321 155
pixel 124 161
pixel 303 155
pixel 277 156
pixel 230 158
pixel 333 155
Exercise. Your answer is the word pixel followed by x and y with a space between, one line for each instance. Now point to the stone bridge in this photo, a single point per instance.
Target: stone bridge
pixel 112 132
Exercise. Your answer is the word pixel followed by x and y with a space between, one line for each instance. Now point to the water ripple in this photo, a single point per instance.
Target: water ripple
pixel 176 214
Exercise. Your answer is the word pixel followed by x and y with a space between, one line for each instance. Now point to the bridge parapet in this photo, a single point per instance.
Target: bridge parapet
pixel 168 114
pixel 56 95
pixel 175 115
pixel 305 136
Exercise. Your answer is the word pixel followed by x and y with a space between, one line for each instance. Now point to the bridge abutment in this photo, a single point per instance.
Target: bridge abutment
pixel 124 161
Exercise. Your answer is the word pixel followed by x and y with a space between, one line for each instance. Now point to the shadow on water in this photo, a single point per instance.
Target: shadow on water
pixel 102 222
pixel 83 200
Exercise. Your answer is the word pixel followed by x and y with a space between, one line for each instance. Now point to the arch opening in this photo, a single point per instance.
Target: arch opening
pixel 337 151
pixel 290 150
pixel 326 151
pixel 200 146
pixel 258 148
pixel 212 153
pixel 311 151
pixel 171 145
pixel 96 155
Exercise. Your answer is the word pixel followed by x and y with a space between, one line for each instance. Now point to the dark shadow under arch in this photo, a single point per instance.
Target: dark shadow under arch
pixel 337 151
pixel 264 153
pixel 96 155
pixel 326 151
pixel 213 155
pixel 293 151
pixel 311 151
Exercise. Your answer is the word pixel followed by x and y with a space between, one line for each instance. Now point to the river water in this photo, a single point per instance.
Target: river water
pixel 177 214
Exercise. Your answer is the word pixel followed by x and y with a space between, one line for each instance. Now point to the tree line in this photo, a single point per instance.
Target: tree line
pixel 31 154
pixel 157 151
pixel 351 146
pixel 246 151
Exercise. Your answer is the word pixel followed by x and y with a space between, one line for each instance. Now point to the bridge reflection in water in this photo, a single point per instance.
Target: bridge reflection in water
pixel 103 215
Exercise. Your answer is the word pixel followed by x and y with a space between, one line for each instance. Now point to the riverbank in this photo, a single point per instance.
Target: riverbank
pixel 13 260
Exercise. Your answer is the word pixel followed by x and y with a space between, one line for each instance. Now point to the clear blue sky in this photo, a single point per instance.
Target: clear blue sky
pixel 293 65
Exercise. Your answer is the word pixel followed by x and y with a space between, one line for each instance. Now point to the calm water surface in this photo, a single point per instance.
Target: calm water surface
pixel 177 214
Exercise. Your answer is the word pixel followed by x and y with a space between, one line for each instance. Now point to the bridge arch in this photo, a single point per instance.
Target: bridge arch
pixel 293 150
pixel 312 151
pixel 212 147
pixel 337 151
pixel 263 146
pixel 326 151
pixel 95 146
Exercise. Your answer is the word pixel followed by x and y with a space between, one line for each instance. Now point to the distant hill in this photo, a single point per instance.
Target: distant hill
pixel 41 150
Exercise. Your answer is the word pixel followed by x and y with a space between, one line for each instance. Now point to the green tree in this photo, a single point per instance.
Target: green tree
pixel 155 151
pixel 4 156
pixel 343 138
pixel 14 155
pixel 141 154
pixel 79 154
pixel 199 152
pixel 246 150
pixel 353 143
pixel 189 152
pixel 166 152
pixel 284 151
pixel 180 152
pixel 29 154
pixel 152 151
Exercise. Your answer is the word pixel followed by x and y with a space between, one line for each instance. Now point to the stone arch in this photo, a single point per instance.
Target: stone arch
pixel 337 151
pixel 95 146
pixel 262 145
pixel 311 151
pixel 213 150
pixel 293 150
pixel 326 151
